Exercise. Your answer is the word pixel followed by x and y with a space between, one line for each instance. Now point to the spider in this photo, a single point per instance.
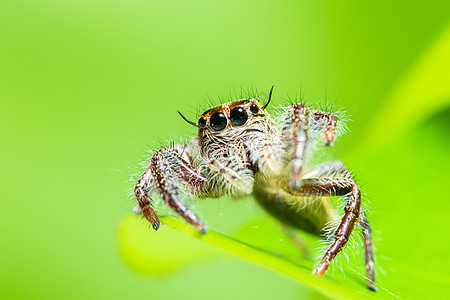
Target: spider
pixel 241 150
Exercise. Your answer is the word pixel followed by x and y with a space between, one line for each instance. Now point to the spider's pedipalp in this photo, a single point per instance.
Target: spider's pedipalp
pixel 227 170
pixel 266 152
pixel 271 158
pixel 235 178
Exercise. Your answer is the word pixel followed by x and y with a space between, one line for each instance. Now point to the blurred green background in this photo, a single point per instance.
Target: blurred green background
pixel 86 85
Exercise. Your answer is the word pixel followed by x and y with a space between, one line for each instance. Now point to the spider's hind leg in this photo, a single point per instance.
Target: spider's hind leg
pixel 368 250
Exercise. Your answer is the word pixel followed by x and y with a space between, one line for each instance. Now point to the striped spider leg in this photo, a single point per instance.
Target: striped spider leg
pixel 174 167
pixel 317 182
pixel 167 170
pixel 333 179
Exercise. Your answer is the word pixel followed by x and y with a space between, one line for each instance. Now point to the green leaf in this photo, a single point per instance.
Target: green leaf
pixel 152 261
pixel 157 253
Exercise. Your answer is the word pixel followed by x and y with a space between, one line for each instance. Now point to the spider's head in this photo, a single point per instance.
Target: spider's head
pixel 231 115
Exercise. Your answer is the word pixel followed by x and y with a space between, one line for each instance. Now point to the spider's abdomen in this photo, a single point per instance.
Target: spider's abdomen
pixel 310 214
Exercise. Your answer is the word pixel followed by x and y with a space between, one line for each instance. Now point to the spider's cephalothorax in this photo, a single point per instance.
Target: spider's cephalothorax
pixel 241 150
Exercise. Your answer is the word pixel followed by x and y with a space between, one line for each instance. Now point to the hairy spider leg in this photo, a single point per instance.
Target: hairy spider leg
pixel 328 121
pixel 295 137
pixel 167 187
pixel 142 190
pixel 368 250
pixel 333 187
pixel 338 168
pixel 327 169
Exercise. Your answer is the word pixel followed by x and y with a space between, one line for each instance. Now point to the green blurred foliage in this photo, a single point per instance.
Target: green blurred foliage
pixel 86 85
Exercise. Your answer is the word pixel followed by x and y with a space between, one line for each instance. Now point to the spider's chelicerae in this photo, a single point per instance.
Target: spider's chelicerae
pixel 241 150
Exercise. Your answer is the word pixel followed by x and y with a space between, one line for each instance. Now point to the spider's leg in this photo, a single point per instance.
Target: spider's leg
pixel 328 121
pixel 333 187
pixel 338 168
pixel 295 138
pixel 169 170
pixel 143 188
pixel 368 250
pixel 327 169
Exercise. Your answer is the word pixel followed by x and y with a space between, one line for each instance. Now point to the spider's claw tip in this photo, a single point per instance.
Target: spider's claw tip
pixel 327 143
pixel 156 225
pixel 314 273
pixel 203 229
pixel 321 269
pixel 371 286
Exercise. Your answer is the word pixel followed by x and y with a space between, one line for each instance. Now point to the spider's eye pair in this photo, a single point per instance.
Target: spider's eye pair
pixel 218 121
pixel 238 116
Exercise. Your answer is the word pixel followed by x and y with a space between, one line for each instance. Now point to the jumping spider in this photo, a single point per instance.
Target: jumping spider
pixel 241 150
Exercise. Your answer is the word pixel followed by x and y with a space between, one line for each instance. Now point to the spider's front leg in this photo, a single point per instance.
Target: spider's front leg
pixel 327 121
pixel 142 189
pixel 352 212
pixel 337 168
pixel 336 187
pixel 299 124
pixel 295 137
pixel 167 170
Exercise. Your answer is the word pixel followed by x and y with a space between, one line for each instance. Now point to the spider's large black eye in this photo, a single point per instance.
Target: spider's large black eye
pixel 238 116
pixel 218 121
pixel 202 122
